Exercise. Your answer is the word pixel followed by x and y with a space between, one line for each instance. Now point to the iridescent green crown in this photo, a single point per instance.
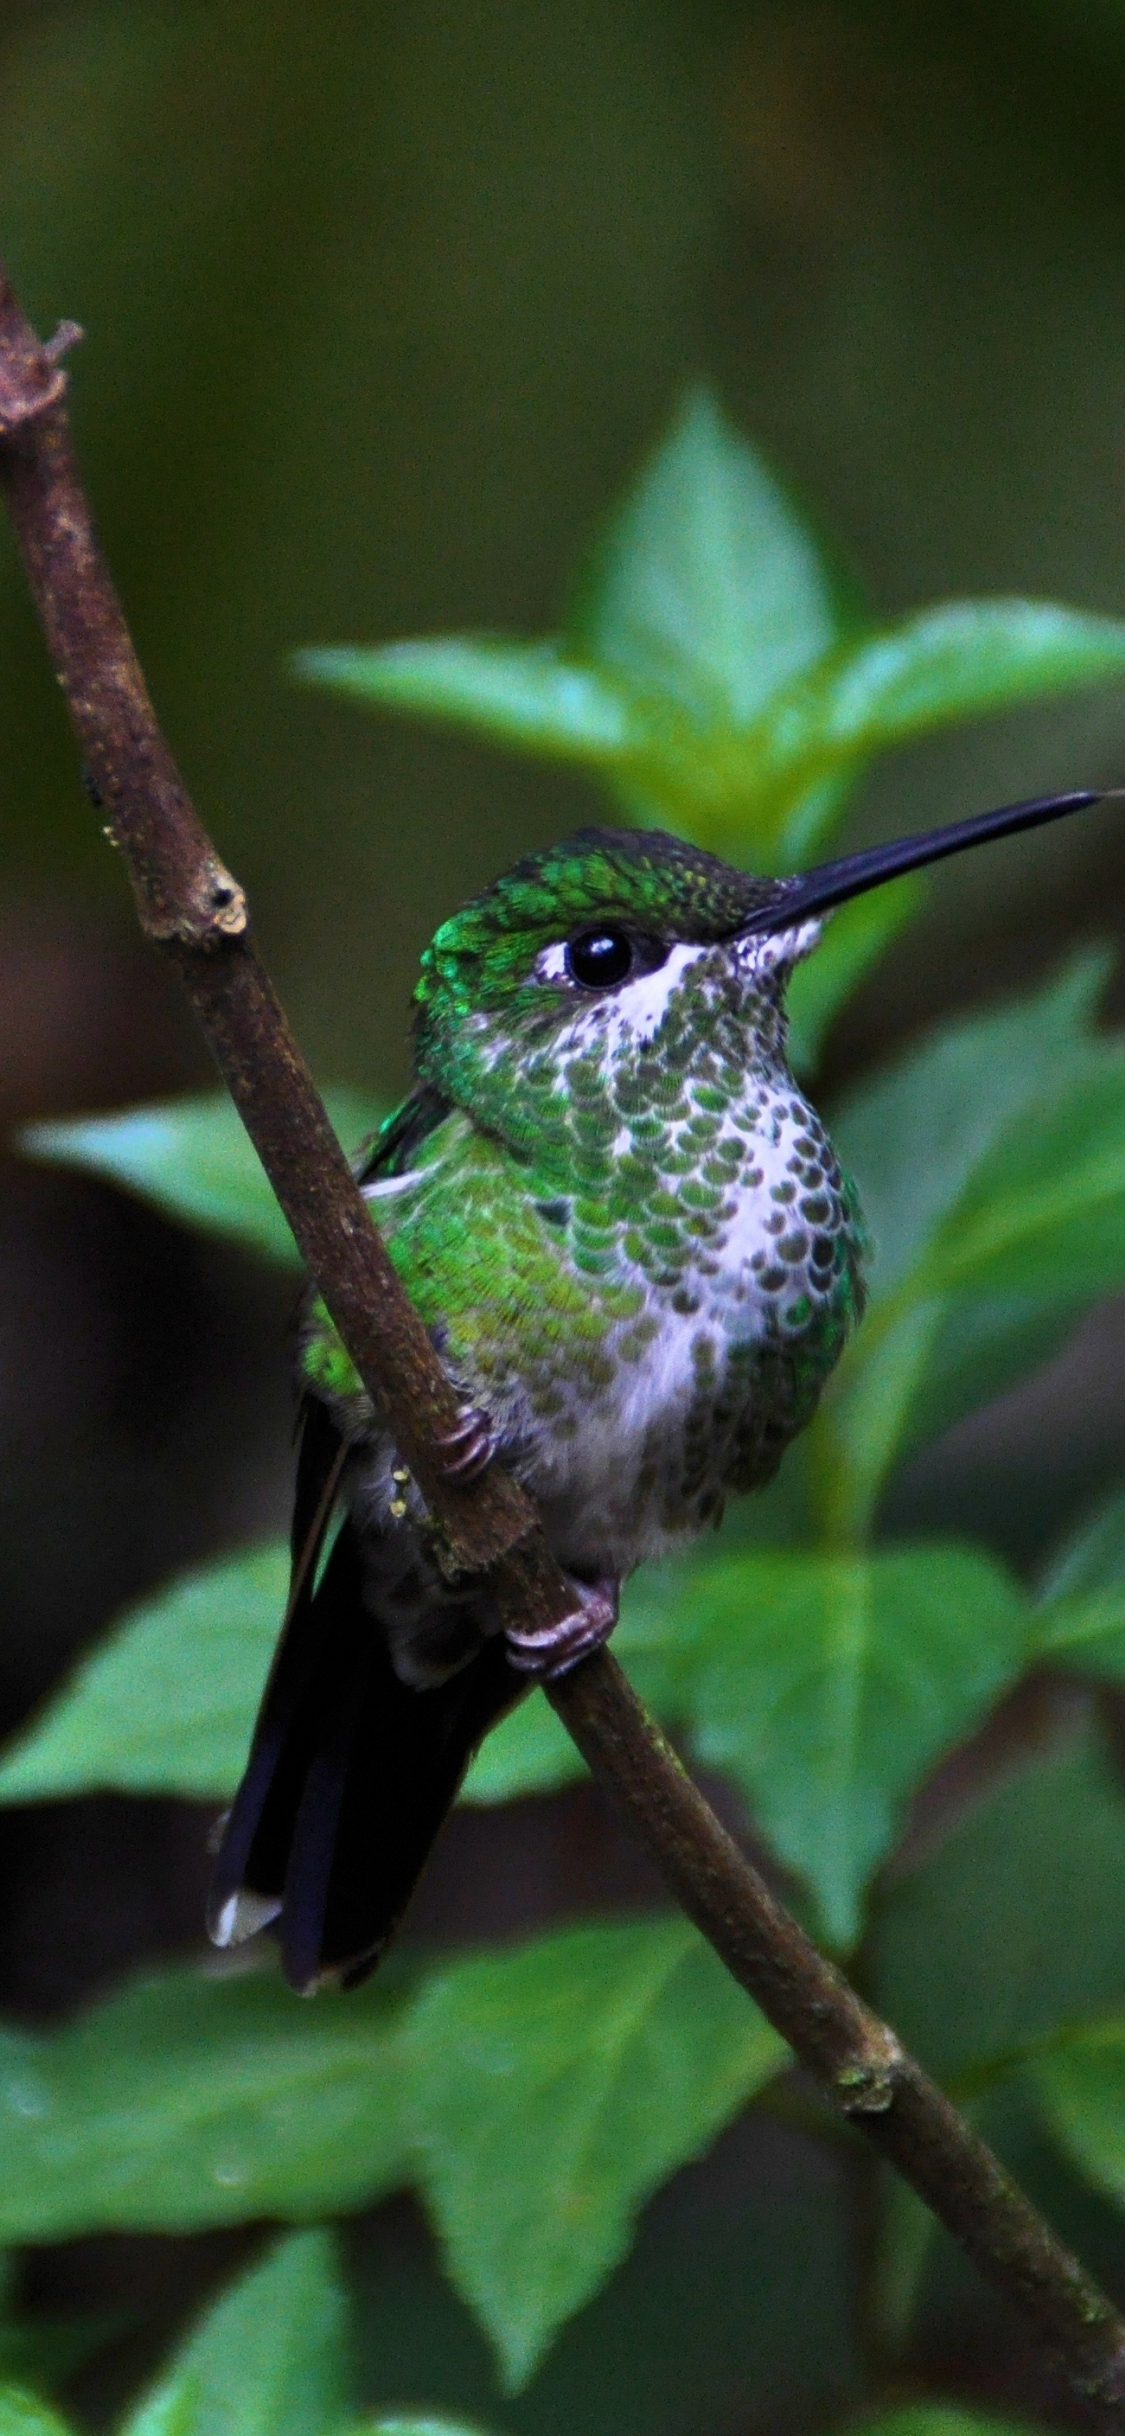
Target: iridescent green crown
pixel 640 875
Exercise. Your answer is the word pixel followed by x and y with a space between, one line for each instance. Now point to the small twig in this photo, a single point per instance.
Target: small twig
pixel 196 913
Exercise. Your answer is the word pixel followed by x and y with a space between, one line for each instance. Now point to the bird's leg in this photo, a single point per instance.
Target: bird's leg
pixel 555 1650
pixel 467 1449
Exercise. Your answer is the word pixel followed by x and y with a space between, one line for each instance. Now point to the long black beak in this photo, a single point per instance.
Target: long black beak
pixel 828 884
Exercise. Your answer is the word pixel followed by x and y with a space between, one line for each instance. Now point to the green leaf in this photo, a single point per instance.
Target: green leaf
pixel 200 2098
pixel 24 2415
pixel 555 2088
pixel 854 940
pixel 1049 1201
pixel 916 1136
pixel 193 1159
pixel 529 1751
pixel 828 1686
pixel 529 695
pixel 991 1168
pixel 956 661
pixel 1081 2088
pixel 167 1702
pixel 1015 1927
pixel 712 672
pixel 267 2360
pixel 709 590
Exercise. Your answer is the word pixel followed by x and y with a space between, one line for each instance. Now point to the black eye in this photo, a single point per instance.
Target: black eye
pixel 599 958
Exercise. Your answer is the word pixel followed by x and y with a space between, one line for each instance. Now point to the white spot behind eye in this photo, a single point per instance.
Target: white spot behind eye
pixel 550 963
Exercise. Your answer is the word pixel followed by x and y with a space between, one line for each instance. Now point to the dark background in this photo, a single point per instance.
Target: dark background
pixel 382 305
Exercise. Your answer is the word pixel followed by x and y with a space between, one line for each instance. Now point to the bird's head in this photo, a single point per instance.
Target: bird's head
pixel 626 958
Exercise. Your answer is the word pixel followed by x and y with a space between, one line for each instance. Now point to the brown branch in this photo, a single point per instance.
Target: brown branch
pixel 191 908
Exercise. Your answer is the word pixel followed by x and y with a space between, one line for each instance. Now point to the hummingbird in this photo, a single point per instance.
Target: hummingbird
pixel 639 1260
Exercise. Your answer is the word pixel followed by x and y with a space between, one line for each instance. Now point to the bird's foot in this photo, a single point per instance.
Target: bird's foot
pixel 467 1449
pixel 553 1651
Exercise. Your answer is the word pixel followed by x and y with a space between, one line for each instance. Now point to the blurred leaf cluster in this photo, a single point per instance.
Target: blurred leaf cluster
pixel 268 2360
pixel 717 677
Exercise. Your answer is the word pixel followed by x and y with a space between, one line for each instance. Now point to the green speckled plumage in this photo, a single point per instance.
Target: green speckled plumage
pixel 625 1227
pixel 628 1235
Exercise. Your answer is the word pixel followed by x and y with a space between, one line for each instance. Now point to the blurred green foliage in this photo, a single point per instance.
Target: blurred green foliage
pixel 536 2095
pixel 711 674
pixel 382 306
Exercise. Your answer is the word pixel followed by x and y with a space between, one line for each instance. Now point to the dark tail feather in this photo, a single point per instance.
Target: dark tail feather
pixel 349 1779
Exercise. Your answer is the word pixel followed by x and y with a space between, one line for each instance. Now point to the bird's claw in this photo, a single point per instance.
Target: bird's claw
pixel 558 1647
pixel 467 1449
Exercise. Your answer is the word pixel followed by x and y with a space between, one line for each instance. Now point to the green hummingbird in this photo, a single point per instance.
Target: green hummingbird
pixel 639 1260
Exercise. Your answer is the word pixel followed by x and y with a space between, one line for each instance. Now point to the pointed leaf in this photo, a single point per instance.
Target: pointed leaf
pixel 193 1159
pixel 167 1702
pixel 710 590
pixel 529 695
pixel 554 2088
pixel 193 2098
pixel 1081 2088
pixel 712 671
pixel 956 661
pixel 268 2358
pixel 828 1686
